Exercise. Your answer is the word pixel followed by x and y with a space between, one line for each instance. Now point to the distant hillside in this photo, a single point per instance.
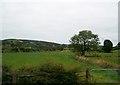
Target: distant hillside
pixel 20 45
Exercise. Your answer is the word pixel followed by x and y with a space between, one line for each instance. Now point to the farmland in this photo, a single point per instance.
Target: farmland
pixel 67 59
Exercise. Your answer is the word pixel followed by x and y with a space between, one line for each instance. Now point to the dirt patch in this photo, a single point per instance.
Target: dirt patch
pixel 81 58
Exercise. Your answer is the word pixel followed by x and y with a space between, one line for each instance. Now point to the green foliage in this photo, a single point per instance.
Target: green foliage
pixel 6 78
pixel 117 47
pixel 107 46
pixel 46 74
pixel 29 62
pixel 6 68
pixel 84 41
pixel 19 45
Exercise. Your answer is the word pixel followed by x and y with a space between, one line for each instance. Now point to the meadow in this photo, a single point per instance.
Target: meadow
pixel 67 59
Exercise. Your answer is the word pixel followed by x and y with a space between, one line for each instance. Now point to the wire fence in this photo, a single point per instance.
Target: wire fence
pixel 105 75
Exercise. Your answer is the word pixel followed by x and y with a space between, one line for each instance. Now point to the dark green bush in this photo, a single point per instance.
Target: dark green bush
pixel 48 74
pixel 6 74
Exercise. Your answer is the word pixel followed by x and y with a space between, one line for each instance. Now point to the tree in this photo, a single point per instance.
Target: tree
pixel 118 45
pixel 107 46
pixel 84 41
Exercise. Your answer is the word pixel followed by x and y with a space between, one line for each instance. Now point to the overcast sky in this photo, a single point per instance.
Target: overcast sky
pixel 58 20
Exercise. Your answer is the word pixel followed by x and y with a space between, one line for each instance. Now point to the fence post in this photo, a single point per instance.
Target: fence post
pixel 87 73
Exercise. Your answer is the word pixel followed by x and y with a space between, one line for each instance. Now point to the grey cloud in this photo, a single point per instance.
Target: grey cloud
pixel 58 20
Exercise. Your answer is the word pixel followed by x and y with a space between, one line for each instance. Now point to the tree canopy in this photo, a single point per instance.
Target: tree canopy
pixel 84 41
pixel 107 46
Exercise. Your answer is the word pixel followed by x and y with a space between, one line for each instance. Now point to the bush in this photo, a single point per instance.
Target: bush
pixel 48 74
pixel 6 77
pixel 108 45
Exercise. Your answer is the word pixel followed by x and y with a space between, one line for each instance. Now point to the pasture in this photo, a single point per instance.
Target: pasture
pixel 67 59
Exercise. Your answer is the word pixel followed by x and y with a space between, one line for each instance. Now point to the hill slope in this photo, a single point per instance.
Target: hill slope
pixel 20 45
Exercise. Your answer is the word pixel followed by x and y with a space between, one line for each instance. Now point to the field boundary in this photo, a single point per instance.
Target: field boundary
pixel 108 72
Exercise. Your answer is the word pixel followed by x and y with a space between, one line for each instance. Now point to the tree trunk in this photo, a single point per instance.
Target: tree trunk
pixel 83 53
pixel 84 48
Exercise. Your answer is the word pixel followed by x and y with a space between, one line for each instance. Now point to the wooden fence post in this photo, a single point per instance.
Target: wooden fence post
pixel 87 73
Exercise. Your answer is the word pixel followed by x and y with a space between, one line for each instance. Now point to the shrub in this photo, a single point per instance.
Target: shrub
pixel 6 77
pixel 49 74
pixel 107 46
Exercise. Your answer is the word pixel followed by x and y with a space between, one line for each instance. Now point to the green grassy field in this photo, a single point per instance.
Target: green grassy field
pixel 17 60
pixel 109 57
pixel 66 58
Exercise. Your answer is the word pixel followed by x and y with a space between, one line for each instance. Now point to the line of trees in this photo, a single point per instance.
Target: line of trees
pixel 87 41
pixel 83 41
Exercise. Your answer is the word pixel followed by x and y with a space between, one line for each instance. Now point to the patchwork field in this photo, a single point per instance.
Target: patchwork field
pixel 67 59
